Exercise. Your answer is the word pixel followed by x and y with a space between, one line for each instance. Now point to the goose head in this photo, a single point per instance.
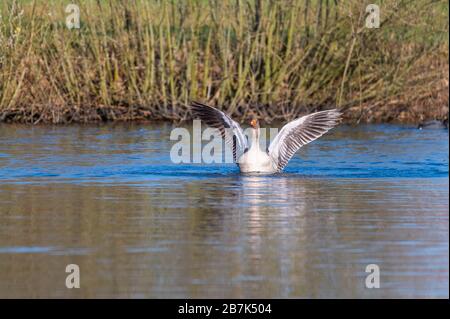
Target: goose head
pixel 254 123
pixel 255 130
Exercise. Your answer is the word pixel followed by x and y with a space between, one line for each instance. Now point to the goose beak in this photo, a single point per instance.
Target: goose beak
pixel 254 123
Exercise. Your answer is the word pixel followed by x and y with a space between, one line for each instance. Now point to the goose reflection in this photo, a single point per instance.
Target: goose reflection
pixel 268 192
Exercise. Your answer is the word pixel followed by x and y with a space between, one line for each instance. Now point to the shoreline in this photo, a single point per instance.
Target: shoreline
pixel 105 115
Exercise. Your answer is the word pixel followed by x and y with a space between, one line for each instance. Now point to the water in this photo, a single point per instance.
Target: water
pixel 108 199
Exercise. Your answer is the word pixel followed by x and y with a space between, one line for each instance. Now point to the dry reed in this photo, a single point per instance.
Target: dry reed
pixel 146 60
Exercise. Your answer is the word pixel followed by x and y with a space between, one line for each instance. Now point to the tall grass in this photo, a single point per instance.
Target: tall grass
pixel 148 59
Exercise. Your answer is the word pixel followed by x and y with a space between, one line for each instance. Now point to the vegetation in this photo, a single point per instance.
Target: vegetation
pixel 146 60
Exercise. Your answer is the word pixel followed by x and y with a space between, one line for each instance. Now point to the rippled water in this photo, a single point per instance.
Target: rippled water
pixel 109 199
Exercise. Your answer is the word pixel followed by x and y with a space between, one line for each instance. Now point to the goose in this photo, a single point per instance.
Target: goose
pixel 434 124
pixel 291 137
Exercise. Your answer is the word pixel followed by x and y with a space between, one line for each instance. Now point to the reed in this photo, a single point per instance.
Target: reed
pixel 146 60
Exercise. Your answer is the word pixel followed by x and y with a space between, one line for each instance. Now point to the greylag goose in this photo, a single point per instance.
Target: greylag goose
pixel 293 135
pixel 434 124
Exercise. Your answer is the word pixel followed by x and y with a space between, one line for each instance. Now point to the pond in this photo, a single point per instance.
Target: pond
pixel 109 199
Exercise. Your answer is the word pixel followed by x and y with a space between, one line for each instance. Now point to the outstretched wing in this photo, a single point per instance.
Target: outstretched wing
pixel 300 132
pixel 230 130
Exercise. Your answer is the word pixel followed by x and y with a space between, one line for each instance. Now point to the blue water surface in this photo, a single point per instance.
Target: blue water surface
pixel 114 153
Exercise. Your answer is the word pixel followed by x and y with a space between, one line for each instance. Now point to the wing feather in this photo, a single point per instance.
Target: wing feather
pixel 230 130
pixel 300 132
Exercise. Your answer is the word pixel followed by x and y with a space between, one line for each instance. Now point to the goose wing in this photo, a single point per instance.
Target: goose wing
pixel 230 130
pixel 300 132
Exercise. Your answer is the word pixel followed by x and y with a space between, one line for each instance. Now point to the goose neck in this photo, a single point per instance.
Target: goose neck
pixel 255 137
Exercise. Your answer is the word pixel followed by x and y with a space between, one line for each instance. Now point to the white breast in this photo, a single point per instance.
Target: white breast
pixel 256 161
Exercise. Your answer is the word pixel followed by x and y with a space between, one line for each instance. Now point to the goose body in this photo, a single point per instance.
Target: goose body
pixel 289 140
pixel 256 161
